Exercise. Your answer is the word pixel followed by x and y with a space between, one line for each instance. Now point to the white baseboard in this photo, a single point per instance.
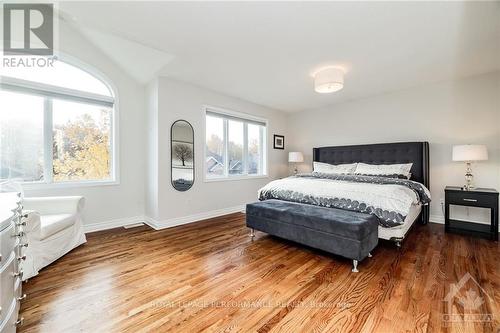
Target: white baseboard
pixel 116 223
pixel 436 219
pixel 157 225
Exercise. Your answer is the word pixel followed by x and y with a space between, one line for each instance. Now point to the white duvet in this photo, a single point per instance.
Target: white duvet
pixel 390 202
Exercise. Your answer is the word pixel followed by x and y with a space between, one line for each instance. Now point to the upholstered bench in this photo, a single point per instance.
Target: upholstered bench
pixel 346 233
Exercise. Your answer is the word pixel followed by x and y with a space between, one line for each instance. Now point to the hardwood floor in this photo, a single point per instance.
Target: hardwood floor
pixel 209 276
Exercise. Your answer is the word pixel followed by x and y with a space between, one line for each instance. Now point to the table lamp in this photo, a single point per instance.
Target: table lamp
pixel 468 154
pixel 295 157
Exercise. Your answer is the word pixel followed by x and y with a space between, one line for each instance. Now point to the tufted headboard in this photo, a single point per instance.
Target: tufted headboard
pixel 383 153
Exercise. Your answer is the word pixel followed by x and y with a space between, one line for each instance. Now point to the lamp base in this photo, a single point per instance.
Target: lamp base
pixel 468 178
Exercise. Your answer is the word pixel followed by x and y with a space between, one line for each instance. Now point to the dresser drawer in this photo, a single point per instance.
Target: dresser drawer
pixel 7 279
pixel 7 242
pixel 10 322
pixel 18 288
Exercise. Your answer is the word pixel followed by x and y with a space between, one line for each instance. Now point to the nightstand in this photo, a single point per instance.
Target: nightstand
pixel 478 197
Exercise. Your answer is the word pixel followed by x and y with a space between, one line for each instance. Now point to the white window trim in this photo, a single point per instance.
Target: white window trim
pixel 95 99
pixel 47 90
pixel 68 184
pixel 264 141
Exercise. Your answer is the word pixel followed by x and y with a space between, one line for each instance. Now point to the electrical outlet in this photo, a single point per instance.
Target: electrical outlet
pixel 441 201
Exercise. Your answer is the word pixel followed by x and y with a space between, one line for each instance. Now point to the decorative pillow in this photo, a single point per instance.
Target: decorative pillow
pixel 331 168
pixel 394 170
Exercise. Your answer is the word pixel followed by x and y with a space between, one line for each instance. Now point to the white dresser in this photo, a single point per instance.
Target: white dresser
pixel 11 253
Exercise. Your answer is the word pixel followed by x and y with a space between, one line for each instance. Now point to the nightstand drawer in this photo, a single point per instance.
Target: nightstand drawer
pixel 466 198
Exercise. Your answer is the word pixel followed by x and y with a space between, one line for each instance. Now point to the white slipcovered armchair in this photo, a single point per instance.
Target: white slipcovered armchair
pixel 53 228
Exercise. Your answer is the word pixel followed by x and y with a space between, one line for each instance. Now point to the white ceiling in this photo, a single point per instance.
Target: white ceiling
pixel 265 52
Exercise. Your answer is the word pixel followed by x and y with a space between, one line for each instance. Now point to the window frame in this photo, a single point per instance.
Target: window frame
pixel 16 85
pixel 264 162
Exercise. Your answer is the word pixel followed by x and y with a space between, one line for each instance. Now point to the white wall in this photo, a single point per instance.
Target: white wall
pixel 448 113
pixel 177 100
pixel 106 204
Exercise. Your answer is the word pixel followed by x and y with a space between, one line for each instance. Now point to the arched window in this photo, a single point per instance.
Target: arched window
pixel 56 125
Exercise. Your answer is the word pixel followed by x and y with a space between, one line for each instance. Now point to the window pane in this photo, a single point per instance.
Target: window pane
pixel 215 146
pixel 254 145
pixel 81 141
pixel 21 136
pixel 60 74
pixel 235 147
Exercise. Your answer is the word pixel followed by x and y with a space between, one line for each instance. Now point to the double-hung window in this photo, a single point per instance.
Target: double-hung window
pixel 235 145
pixel 56 125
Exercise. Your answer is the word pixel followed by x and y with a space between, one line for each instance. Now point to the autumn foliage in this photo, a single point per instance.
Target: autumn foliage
pixel 81 149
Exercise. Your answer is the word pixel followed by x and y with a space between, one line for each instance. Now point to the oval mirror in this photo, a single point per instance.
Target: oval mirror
pixel 182 155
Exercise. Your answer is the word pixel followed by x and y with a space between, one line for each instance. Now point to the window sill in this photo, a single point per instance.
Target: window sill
pixel 226 179
pixel 47 186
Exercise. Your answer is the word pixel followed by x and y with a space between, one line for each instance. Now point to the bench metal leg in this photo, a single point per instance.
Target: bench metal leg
pixel 252 233
pixel 355 266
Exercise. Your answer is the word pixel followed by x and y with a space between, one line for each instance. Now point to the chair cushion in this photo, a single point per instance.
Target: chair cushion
pixel 52 224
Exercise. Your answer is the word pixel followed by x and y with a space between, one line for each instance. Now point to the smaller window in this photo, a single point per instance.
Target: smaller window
pixel 235 145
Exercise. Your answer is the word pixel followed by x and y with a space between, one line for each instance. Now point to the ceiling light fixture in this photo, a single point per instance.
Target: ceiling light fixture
pixel 329 80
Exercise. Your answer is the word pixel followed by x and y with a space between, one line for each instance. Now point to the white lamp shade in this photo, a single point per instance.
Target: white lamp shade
pixel 329 80
pixel 295 157
pixel 470 153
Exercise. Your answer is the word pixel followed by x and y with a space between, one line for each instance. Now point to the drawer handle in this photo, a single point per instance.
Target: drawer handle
pixel 471 200
pixel 21 258
pixel 19 322
pixel 20 234
pixel 22 298
pixel 21 224
pixel 20 274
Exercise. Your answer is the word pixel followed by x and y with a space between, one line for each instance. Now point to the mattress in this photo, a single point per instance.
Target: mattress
pixel 401 230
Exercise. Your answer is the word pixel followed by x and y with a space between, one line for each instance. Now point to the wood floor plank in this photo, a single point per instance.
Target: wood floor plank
pixel 211 277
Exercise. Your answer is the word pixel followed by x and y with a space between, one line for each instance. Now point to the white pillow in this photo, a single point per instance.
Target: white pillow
pixel 384 169
pixel 331 168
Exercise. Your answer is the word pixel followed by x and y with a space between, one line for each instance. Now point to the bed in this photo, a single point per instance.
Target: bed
pixel 314 189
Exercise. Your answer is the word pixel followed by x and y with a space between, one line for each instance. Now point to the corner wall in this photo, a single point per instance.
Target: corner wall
pixel 151 149
pixel 178 100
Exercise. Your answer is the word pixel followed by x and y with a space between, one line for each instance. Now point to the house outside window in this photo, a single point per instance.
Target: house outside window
pixel 235 145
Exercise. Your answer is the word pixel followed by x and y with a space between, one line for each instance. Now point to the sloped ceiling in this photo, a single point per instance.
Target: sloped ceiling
pixel 142 62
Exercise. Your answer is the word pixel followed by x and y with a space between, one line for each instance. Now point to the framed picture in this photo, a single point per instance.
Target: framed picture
pixel 279 142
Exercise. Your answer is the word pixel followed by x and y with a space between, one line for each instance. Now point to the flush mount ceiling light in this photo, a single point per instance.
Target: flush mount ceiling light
pixel 329 80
